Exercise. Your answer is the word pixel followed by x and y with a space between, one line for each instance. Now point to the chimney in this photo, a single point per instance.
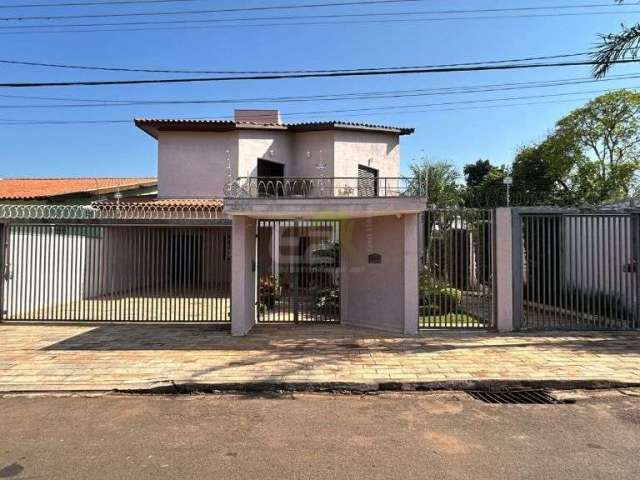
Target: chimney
pixel 258 116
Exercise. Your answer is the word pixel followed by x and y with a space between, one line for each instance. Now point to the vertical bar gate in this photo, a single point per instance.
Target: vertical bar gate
pixel 117 273
pixel 456 275
pixel 580 271
pixel 298 270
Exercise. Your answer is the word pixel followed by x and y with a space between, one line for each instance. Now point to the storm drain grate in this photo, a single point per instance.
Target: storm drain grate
pixel 529 397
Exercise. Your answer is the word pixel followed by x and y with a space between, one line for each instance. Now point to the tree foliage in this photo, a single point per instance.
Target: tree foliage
pixel 616 46
pixel 484 184
pixel 475 173
pixel 442 182
pixel 591 157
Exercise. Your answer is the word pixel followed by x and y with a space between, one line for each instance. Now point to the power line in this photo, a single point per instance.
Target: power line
pixel 93 3
pixel 260 72
pixel 218 10
pixel 187 24
pixel 354 96
pixel 297 17
pixel 328 74
pixel 349 115
pixel 328 16
pixel 475 88
pixel 345 95
pixel 387 108
pixel 458 102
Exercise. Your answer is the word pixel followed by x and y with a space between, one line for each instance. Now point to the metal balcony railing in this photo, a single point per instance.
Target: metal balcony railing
pixel 324 187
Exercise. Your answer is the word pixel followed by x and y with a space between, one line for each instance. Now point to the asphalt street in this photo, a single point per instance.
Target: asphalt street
pixel 318 436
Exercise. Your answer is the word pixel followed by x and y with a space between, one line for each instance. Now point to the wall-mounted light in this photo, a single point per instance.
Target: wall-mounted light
pixel 508 181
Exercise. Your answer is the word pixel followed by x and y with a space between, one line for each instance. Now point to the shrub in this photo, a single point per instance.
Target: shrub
pixel 437 295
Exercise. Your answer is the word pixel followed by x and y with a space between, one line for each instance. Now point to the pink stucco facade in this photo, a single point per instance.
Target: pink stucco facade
pixel 375 295
pixel 198 164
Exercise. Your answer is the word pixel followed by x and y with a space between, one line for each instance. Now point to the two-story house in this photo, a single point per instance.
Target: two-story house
pixel 322 225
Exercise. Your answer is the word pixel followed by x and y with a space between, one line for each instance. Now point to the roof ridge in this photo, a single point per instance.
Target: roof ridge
pixel 202 123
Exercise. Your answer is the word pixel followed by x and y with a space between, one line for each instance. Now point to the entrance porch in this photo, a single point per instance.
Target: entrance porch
pixel 343 264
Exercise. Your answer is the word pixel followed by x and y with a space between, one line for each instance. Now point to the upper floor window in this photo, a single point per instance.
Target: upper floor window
pixel 367 181
pixel 268 174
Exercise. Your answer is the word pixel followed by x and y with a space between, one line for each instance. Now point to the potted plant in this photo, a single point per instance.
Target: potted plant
pixel 269 291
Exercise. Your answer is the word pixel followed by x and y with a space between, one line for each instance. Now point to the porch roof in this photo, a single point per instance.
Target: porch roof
pixel 328 207
pixel 216 203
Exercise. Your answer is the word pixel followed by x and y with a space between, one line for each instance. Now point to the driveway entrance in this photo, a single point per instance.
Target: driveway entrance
pixel 298 271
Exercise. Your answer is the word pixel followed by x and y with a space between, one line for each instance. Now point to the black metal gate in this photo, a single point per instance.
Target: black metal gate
pixel 298 270
pixel 456 276
pixel 580 270
pixel 116 272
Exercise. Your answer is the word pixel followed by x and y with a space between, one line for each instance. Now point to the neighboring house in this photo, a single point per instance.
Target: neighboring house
pixel 73 190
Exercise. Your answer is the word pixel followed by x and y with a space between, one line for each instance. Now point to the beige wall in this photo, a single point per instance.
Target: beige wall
pixel 373 295
pixel 357 148
pixel 320 145
pixel 194 164
pixel 376 150
pixel 275 146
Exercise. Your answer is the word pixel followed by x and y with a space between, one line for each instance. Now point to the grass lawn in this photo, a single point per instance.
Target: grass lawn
pixel 450 320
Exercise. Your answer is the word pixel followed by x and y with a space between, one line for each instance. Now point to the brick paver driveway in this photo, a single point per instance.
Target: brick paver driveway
pixel 83 357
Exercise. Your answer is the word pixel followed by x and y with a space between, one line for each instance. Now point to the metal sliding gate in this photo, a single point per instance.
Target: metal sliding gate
pixel 116 272
pixel 580 271
pixel 456 275
pixel 298 271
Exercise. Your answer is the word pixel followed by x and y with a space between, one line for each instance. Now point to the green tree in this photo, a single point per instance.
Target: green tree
pixel 475 173
pixel 591 157
pixel 542 172
pixel 441 179
pixel 607 131
pixel 484 184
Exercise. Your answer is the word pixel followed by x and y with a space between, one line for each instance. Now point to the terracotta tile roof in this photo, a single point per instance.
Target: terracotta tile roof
pixel 153 125
pixel 165 202
pixel 340 125
pixel 40 188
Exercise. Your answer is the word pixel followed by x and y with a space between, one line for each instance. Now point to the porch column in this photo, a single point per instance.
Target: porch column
pixel 508 273
pixel 243 265
pixel 411 274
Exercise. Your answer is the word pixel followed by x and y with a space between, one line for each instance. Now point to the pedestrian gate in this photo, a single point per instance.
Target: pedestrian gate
pixel 298 271
pixel 456 275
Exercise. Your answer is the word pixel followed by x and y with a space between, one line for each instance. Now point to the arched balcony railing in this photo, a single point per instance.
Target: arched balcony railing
pixel 324 187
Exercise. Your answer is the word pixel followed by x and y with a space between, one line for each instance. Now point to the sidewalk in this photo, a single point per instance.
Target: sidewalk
pixel 105 357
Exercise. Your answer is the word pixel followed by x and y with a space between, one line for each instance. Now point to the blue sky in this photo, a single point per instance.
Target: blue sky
pixel 460 135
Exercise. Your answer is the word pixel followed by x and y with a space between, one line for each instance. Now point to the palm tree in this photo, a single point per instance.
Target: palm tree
pixel 615 47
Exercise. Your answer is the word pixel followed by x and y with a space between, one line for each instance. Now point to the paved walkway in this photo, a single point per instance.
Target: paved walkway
pixel 54 357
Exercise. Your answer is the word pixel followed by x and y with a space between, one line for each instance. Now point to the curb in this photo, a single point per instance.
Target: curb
pixel 362 388
pixel 345 388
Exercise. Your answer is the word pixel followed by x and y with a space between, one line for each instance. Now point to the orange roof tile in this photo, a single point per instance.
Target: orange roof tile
pixel 39 188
